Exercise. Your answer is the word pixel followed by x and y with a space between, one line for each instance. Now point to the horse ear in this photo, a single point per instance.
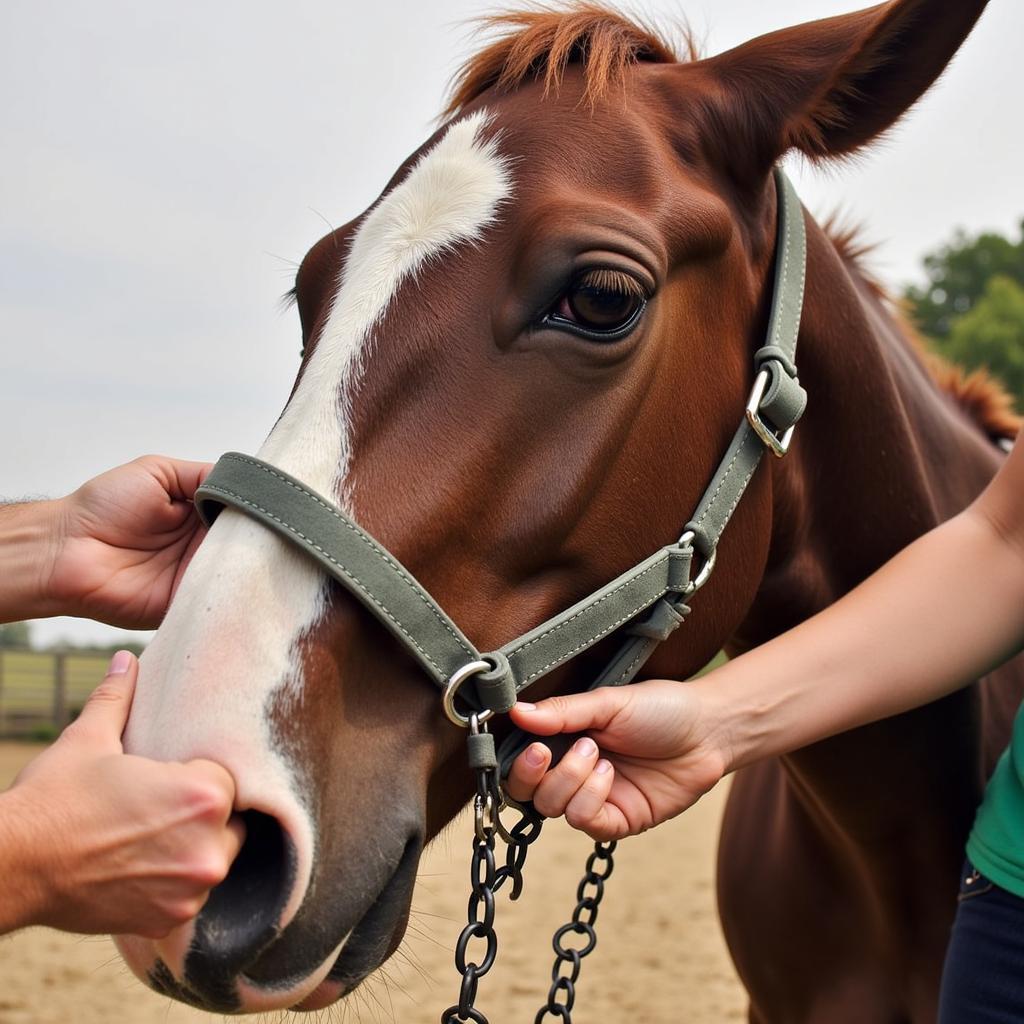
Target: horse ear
pixel 829 87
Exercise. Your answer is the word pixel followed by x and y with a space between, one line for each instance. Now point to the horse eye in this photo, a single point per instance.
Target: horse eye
pixel 599 306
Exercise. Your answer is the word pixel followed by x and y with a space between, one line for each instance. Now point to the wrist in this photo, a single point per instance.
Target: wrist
pixel 738 721
pixel 29 544
pixel 24 894
pixel 713 738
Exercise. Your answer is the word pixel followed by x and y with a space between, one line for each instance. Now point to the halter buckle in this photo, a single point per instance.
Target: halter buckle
pixel 778 446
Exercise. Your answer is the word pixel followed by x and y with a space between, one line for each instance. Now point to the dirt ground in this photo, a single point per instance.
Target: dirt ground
pixel 660 958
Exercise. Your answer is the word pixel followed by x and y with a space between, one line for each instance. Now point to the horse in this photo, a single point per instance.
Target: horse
pixel 521 367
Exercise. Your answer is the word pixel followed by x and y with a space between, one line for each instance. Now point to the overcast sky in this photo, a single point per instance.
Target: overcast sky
pixel 165 166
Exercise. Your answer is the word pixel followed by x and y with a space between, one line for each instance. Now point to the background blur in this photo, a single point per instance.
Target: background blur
pixel 165 167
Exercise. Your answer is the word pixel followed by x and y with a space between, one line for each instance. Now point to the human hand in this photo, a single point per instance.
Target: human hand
pixel 116 843
pixel 123 540
pixel 660 755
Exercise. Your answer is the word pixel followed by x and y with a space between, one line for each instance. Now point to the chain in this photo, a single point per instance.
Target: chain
pixel 486 879
pixel 566 969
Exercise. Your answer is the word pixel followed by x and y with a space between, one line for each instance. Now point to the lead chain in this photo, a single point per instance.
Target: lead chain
pixel 485 878
pixel 566 969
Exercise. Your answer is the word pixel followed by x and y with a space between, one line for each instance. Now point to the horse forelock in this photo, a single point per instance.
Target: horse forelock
pixel 539 43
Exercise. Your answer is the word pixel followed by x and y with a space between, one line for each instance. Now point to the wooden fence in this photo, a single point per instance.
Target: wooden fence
pixel 41 691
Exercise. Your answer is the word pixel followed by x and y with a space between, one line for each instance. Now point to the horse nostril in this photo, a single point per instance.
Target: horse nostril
pixel 243 914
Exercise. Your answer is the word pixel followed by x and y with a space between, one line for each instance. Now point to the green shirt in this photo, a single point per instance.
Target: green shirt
pixel 996 843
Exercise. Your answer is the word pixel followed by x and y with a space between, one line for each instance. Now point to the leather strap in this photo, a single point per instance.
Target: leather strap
pixel 783 400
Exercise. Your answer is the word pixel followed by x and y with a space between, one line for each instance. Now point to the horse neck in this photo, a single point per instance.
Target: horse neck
pixel 882 454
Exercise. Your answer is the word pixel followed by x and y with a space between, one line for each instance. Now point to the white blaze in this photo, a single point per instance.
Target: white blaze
pixel 229 642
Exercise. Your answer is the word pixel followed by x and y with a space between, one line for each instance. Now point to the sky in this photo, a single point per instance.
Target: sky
pixel 166 166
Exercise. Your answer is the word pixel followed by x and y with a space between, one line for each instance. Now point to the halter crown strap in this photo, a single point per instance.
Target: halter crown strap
pixel 646 603
pixel 776 400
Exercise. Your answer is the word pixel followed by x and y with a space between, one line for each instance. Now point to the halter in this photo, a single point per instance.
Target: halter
pixel 642 607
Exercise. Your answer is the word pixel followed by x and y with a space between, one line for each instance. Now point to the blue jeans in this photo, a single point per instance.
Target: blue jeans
pixel 983 978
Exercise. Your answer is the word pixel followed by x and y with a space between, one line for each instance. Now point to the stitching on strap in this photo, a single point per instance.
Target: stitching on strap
pixel 347 572
pixel 364 537
pixel 721 483
pixel 580 647
pixel 629 668
pixel 792 209
pixel 583 611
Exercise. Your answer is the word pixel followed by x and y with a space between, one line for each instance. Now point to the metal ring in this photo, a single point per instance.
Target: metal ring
pixel 452 688
pixel 706 569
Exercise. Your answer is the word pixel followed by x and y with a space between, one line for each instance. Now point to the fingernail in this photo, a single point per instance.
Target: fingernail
pixel 120 663
pixel 522 705
pixel 603 767
pixel 585 747
pixel 534 754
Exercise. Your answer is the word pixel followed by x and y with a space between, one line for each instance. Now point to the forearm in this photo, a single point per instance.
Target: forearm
pixel 936 617
pixel 27 532
pixel 21 895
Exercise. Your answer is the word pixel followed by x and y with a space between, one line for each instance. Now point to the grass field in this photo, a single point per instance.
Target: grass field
pixel 40 691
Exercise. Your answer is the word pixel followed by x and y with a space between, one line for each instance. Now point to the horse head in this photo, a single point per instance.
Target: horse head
pixel 521 367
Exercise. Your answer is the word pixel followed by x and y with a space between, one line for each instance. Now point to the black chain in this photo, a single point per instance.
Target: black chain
pixel 566 969
pixel 479 926
pixel 486 879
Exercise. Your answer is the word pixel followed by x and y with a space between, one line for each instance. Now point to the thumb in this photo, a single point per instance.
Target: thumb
pixel 575 712
pixel 106 711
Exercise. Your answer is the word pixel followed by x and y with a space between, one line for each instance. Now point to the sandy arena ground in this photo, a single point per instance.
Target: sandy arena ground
pixel 660 958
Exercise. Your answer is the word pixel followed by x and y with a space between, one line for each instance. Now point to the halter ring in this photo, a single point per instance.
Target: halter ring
pixel 452 688
pixel 705 570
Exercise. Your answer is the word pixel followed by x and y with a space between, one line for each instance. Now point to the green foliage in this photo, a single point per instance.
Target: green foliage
pixel 42 733
pixel 991 335
pixel 958 275
pixel 972 308
pixel 15 634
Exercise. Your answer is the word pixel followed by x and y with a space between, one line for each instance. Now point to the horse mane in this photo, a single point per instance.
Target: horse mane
pixel 983 398
pixel 537 43
pixel 977 392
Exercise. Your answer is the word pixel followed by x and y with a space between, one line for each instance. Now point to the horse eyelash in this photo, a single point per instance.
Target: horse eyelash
pixel 609 280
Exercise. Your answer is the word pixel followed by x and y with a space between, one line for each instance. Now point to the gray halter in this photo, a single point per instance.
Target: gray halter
pixel 643 606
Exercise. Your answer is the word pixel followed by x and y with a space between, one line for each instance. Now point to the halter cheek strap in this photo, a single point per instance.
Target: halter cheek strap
pixel 643 606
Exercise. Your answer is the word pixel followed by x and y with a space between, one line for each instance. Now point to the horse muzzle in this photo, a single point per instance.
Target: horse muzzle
pixel 240 955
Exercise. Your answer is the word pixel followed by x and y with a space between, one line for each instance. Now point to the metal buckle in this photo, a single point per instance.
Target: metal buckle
pixel 452 688
pixel 778 446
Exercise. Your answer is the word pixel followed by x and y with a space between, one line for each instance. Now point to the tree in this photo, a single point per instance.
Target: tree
pixel 15 634
pixel 958 274
pixel 991 335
